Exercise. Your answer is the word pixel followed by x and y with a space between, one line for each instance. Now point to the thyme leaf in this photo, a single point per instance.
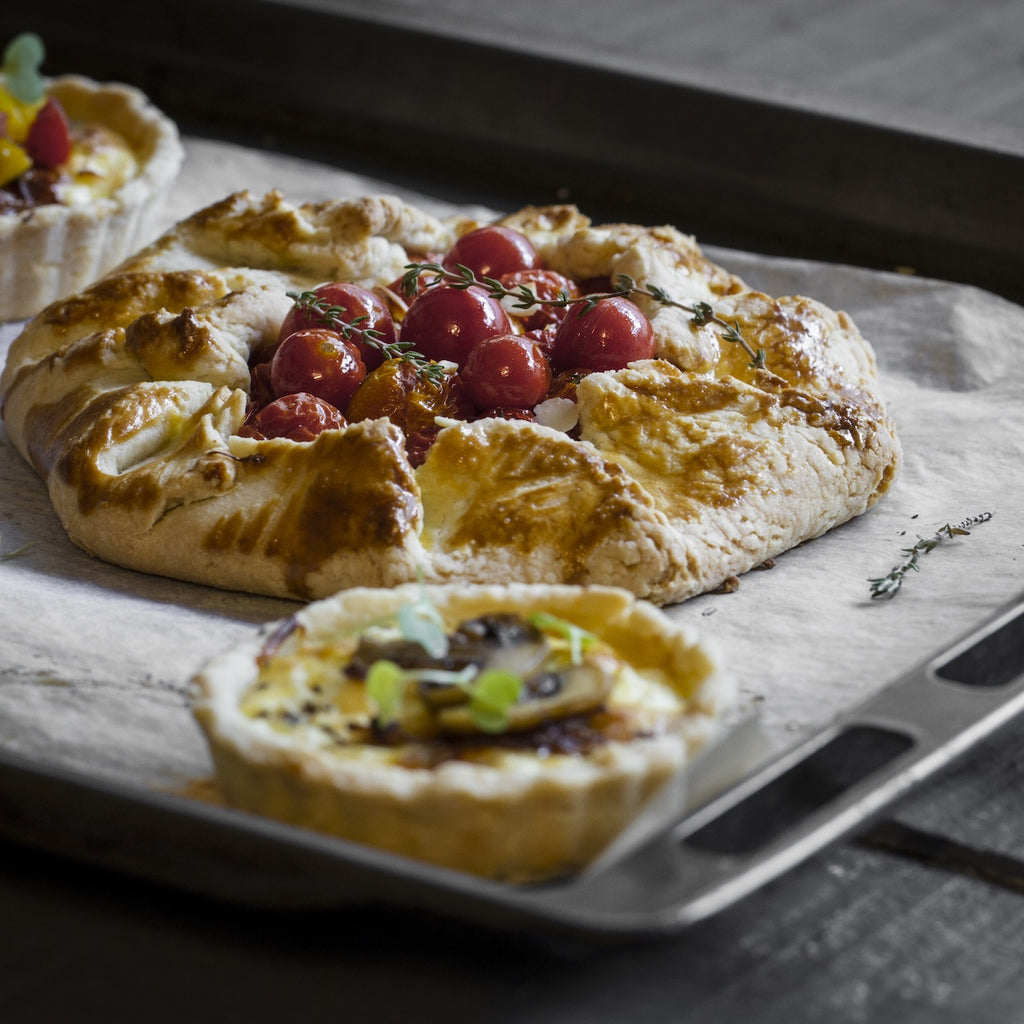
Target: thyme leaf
pixel 623 286
pixel 888 586
pixel 352 329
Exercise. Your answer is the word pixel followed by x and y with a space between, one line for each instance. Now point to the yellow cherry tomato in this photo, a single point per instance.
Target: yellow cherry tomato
pixel 14 161
pixel 20 115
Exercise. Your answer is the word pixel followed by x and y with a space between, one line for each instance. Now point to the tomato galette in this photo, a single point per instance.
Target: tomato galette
pixel 508 731
pixel 294 399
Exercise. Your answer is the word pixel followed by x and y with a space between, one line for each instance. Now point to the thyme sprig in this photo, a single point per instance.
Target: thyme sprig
pixel 351 328
pixel 885 587
pixel 623 286
pixel 6 556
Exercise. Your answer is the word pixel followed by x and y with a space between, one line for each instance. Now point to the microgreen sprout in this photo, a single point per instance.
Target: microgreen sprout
pixel 421 622
pixel 579 639
pixel 885 587
pixel 21 61
pixel 385 683
pixel 490 692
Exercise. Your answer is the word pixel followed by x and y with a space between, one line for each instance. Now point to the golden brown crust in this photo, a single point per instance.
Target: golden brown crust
pixel 691 467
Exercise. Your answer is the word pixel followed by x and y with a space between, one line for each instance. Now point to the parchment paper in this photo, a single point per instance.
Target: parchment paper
pixel 95 660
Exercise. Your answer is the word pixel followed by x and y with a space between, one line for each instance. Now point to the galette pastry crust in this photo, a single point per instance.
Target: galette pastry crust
pixel 515 812
pixel 689 468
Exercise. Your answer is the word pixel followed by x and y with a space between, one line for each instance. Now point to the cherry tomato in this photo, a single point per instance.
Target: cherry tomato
pixel 397 391
pixel 564 384
pixel 299 417
pixel 446 322
pixel 545 284
pixel 492 251
pixel 506 370
pixel 49 138
pixel 319 361
pixel 355 306
pixel 608 336
pixel 261 390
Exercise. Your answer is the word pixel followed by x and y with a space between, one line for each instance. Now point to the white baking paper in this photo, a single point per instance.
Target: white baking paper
pixel 95 660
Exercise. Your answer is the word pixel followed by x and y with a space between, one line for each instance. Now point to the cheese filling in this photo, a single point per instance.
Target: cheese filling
pixel 574 695
pixel 101 162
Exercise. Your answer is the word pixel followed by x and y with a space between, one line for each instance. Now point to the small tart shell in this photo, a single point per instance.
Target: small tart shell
pixel 53 250
pixel 520 816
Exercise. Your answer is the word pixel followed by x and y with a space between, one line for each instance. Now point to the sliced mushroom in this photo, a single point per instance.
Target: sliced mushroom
pixel 584 687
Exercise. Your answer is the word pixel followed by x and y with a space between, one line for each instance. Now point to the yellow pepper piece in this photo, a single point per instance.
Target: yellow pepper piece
pixel 19 115
pixel 14 161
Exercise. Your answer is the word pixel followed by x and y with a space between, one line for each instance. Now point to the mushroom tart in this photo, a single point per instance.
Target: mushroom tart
pixel 506 731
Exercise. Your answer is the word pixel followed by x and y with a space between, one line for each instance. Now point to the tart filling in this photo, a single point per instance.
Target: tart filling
pixel 88 197
pixel 511 732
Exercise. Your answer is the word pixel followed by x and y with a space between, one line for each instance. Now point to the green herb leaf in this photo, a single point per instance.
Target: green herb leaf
pixel 492 693
pixel 385 684
pixel 579 639
pixel 421 622
pixel 22 58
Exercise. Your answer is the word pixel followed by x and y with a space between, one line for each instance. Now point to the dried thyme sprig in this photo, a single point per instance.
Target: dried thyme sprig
pixel 623 286
pixel 350 328
pixel 6 556
pixel 888 586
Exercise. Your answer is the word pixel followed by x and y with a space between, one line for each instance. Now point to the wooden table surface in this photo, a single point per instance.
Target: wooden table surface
pixel 856 934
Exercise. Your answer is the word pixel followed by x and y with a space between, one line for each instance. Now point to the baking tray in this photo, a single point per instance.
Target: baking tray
pixel 476 120
pixel 876 194
pixel 695 862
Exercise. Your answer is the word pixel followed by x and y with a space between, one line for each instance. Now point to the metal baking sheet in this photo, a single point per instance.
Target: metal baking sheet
pixel 893 197
pixel 836 781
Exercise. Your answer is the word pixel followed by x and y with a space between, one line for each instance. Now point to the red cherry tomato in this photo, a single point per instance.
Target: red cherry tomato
pixel 261 390
pixel 49 139
pixel 318 361
pixel 608 336
pixel 492 251
pixel 545 284
pixel 299 417
pixel 353 305
pixel 446 322
pixel 508 370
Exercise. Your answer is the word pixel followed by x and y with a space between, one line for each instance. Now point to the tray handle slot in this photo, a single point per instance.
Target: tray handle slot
pixel 847 759
pixel 998 660
pixel 814 794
